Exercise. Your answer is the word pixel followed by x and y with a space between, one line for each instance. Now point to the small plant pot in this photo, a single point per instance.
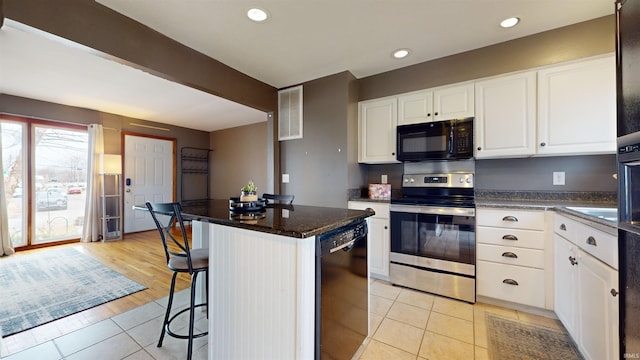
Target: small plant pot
pixel 248 196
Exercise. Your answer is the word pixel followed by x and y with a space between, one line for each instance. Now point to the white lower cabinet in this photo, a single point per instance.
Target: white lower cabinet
pixel 586 289
pixel 378 238
pixel 511 256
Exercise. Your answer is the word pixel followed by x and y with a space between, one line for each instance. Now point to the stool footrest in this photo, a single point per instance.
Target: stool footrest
pixel 172 334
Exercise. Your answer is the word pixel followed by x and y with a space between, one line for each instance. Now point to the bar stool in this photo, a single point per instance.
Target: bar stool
pixel 191 261
pixel 281 199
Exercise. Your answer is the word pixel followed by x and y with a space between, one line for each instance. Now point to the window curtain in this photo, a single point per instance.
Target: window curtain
pixel 91 228
pixel 6 247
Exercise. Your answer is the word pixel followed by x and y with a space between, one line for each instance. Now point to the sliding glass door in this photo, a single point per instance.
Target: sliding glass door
pixel 14 173
pixel 44 167
pixel 59 168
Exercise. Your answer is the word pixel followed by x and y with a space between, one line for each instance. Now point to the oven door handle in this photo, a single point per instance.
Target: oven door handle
pixel 432 210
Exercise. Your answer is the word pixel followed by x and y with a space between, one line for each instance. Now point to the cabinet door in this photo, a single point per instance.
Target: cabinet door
pixel 415 108
pixel 566 284
pixel 454 102
pixel 577 108
pixel 598 309
pixel 378 239
pixel 506 116
pixel 377 130
pixel 379 248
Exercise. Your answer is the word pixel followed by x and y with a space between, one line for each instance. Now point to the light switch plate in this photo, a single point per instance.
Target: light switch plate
pixel 383 179
pixel 285 178
pixel 558 178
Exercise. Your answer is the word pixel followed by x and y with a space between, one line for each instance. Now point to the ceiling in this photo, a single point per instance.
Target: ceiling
pixel 302 40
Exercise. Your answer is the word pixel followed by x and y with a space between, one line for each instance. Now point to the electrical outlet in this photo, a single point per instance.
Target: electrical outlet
pixel 558 178
pixel 285 178
pixel 383 179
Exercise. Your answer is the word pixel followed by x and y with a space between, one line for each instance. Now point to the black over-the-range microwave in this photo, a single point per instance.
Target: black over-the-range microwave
pixel 438 140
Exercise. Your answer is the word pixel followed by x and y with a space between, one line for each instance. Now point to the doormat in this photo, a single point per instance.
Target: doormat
pixel 51 284
pixel 509 339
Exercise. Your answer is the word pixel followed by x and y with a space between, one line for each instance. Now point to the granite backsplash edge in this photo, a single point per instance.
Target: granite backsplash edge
pixel 549 196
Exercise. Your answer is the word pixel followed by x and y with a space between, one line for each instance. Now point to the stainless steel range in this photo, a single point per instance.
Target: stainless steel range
pixel 433 245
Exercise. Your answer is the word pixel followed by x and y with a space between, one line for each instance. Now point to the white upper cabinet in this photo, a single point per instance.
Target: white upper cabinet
pixel 453 102
pixel 377 130
pixel 506 116
pixel 416 107
pixel 443 103
pixel 577 108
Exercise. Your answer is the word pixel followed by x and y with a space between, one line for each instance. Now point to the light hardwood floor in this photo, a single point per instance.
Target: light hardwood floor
pixel 138 256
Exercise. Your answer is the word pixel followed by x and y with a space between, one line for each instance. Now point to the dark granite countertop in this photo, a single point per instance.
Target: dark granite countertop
pixel 297 221
pixel 561 206
pixel 366 199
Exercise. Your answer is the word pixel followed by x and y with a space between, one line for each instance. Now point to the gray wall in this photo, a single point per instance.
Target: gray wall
pixel 323 164
pixel 582 173
pixel 239 155
pixel 563 44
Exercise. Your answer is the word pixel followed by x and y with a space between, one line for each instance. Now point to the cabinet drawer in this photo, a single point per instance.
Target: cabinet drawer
pixel 532 239
pixel 598 243
pixel 565 227
pixel 508 218
pixel 381 209
pixel 492 281
pixel 511 255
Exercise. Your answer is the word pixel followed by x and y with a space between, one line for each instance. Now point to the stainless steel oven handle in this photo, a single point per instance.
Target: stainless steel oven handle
pixel 432 210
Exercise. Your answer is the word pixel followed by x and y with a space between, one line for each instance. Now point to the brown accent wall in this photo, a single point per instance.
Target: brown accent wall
pixel 113 124
pixel 576 41
pixel 239 155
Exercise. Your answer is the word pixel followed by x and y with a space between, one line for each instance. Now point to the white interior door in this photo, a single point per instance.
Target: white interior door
pixel 148 176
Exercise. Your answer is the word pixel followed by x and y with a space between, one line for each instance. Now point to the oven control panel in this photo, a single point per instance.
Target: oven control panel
pixel 451 180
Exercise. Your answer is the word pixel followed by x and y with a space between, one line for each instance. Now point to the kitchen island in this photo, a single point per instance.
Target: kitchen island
pixel 262 280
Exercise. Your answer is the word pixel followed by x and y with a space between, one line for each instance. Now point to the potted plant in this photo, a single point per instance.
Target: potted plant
pixel 248 192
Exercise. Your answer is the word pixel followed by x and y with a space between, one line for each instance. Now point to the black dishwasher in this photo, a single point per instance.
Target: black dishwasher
pixel 342 296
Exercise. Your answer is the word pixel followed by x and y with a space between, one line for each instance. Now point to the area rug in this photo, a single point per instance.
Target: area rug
pixel 509 339
pixel 48 285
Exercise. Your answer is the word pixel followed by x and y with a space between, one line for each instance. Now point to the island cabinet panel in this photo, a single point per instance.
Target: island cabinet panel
pixel 261 295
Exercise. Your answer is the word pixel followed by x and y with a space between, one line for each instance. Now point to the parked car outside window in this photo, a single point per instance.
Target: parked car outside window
pixel 51 199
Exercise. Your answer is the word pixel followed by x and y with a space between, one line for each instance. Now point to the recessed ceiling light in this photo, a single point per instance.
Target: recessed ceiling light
pixel 510 22
pixel 400 53
pixel 257 15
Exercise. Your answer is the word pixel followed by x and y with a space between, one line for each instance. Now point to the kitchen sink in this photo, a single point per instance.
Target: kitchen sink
pixel 609 214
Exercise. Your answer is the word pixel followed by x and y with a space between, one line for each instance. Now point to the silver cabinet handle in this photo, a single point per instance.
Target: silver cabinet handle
pixel 591 241
pixel 510 282
pixel 563 227
pixel 614 293
pixel 510 237
pixel 509 218
pixel 509 254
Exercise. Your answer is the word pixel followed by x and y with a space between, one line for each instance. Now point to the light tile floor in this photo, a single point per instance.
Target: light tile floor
pixel 405 324
pixel 408 324
pixel 132 335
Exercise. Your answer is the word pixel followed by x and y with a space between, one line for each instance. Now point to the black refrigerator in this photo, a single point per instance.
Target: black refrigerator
pixel 628 122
